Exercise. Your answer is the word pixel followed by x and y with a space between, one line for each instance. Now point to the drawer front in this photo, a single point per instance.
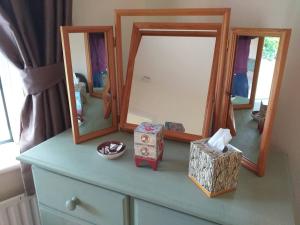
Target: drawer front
pixel 145 151
pixel 53 217
pixel 93 204
pixel 145 138
pixel 148 214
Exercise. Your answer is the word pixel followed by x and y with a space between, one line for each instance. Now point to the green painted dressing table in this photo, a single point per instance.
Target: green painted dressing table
pixel 75 186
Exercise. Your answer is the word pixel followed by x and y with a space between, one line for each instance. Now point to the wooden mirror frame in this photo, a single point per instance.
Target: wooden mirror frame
pixel 173 29
pixel 224 13
pixel 108 33
pixel 284 35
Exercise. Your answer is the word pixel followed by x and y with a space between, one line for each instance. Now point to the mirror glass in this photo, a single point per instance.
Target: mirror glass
pixel 170 82
pixel 89 59
pixel 128 21
pixel 254 64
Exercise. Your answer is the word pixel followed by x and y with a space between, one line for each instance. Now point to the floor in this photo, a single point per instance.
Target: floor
pixel 237 100
pixel 94 116
pixel 248 137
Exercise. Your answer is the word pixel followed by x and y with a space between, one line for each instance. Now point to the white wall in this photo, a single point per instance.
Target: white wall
pixel 78 56
pixel 12 184
pixel 255 13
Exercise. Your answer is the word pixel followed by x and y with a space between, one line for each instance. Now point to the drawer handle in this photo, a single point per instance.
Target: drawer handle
pixel 71 204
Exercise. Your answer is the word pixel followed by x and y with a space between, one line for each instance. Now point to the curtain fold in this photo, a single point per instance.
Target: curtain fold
pixel 98 52
pixel 242 54
pixel 30 39
pixel 240 84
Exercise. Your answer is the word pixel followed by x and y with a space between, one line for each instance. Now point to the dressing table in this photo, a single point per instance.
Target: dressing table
pixel 74 185
pixel 115 192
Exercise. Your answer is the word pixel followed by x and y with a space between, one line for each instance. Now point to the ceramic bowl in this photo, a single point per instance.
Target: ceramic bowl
pixel 111 149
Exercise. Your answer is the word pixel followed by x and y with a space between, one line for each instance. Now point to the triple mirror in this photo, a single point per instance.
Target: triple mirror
pixel 89 64
pixel 171 78
pixel 176 76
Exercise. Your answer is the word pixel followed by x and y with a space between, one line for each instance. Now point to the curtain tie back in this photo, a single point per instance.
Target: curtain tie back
pixel 41 78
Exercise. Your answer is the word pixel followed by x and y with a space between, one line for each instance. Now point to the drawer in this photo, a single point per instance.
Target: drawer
pixel 52 217
pixel 94 204
pixel 148 214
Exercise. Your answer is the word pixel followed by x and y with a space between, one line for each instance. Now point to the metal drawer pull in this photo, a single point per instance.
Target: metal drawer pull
pixel 71 204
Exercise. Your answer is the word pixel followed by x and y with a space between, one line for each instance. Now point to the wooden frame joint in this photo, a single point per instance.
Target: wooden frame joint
pixel 114 42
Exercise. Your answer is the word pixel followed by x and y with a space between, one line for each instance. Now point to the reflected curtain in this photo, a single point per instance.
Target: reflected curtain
pixel 240 85
pixel 98 58
pixel 30 39
pixel 242 54
pixel 98 52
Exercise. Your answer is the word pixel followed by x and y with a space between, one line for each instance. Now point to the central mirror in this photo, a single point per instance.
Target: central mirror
pixel 166 82
pixel 171 79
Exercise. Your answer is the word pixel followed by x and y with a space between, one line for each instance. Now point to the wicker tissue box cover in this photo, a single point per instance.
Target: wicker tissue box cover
pixel 214 172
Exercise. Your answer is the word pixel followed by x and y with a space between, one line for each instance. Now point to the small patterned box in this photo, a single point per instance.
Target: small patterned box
pixel 214 172
pixel 148 144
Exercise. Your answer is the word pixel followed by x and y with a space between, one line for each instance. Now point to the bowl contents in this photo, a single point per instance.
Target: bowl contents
pixel 111 149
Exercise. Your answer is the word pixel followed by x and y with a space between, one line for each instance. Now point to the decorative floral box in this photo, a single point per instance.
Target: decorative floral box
pixel 213 171
pixel 148 144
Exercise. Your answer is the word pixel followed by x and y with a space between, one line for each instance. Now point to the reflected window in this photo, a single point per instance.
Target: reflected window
pixel 5 131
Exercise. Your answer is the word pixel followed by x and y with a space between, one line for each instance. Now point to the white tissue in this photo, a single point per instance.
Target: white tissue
pixel 220 139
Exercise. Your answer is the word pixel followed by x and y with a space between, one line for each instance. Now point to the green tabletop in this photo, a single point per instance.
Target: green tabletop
pixel 257 200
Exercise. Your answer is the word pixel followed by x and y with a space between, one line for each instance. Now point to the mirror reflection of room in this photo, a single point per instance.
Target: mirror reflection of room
pixel 91 81
pixel 170 80
pixel 254 64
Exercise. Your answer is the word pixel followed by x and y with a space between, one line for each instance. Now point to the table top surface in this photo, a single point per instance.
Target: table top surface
pixel 257 200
